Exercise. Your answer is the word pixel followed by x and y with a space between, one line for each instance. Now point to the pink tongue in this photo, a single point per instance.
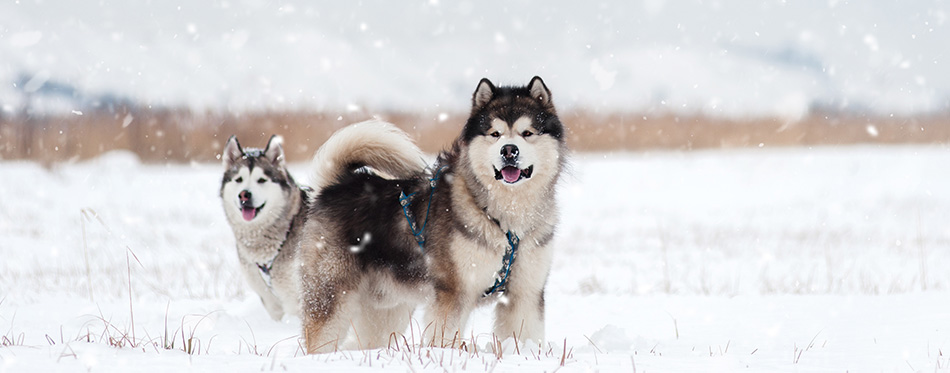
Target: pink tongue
pixel 511 174
pixel 249 213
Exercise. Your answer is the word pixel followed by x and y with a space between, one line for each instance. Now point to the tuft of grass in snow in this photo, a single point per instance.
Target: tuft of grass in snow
pixel 189 343
pixel 797 352
pixel 9 338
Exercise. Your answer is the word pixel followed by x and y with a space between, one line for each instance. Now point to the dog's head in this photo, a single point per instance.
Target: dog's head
pixel 514 138
pixel 256 187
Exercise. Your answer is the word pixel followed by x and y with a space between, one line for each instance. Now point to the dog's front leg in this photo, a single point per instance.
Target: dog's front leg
pixel 445 317
pixel 520 315
pixel 520 310
pixel 271 302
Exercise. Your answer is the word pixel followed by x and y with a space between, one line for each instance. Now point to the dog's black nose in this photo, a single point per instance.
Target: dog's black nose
pixel 509 152
pixel 244 196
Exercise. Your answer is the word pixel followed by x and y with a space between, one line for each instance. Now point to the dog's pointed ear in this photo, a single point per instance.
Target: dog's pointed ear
pixel 275 150
pixel 483 93
pixel 232 152
pixel 539 91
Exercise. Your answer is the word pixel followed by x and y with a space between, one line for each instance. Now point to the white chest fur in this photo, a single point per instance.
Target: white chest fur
pixel 477 265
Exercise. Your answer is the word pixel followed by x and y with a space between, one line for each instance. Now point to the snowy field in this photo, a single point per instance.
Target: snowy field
pixel 826 259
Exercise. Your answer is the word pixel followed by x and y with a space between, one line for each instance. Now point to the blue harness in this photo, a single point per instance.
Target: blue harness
pixel 405 200
pixel 511 253
pixel 501 278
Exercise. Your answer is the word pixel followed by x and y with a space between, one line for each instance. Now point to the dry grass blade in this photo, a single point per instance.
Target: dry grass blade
pixel 564 353
pixel 676 328
pixel 86 214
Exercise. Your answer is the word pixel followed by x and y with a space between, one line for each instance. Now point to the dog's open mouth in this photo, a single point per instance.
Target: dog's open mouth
pixel 512 174
pixel 250 212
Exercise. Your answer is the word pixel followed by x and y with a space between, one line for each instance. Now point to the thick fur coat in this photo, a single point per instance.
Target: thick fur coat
pixel 266 209
pixel 499 179
pixel 381 240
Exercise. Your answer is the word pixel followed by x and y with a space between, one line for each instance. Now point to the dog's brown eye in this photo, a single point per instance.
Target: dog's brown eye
pixel 526 134
pixel 496 134
pixel 261 180
pixel 239 180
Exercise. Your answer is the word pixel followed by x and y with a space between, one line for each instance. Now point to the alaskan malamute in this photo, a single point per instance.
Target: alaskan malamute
pixel 475 228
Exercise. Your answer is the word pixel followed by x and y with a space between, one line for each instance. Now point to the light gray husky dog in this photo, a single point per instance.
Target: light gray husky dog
pixel 266 209
pixel 475 228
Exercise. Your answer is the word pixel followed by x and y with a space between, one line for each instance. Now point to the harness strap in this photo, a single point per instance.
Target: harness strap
pixel 406 200
pixel 265 271
pixel 501 278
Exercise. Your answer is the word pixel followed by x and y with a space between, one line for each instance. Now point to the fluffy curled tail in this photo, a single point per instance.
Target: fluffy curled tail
pixel 372 143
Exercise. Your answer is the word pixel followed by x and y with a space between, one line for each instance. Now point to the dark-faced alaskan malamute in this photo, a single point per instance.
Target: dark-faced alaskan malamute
pixel 475 228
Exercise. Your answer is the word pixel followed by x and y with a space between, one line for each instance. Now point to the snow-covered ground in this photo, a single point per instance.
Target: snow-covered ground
pixel 718 58
pixel 825 259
